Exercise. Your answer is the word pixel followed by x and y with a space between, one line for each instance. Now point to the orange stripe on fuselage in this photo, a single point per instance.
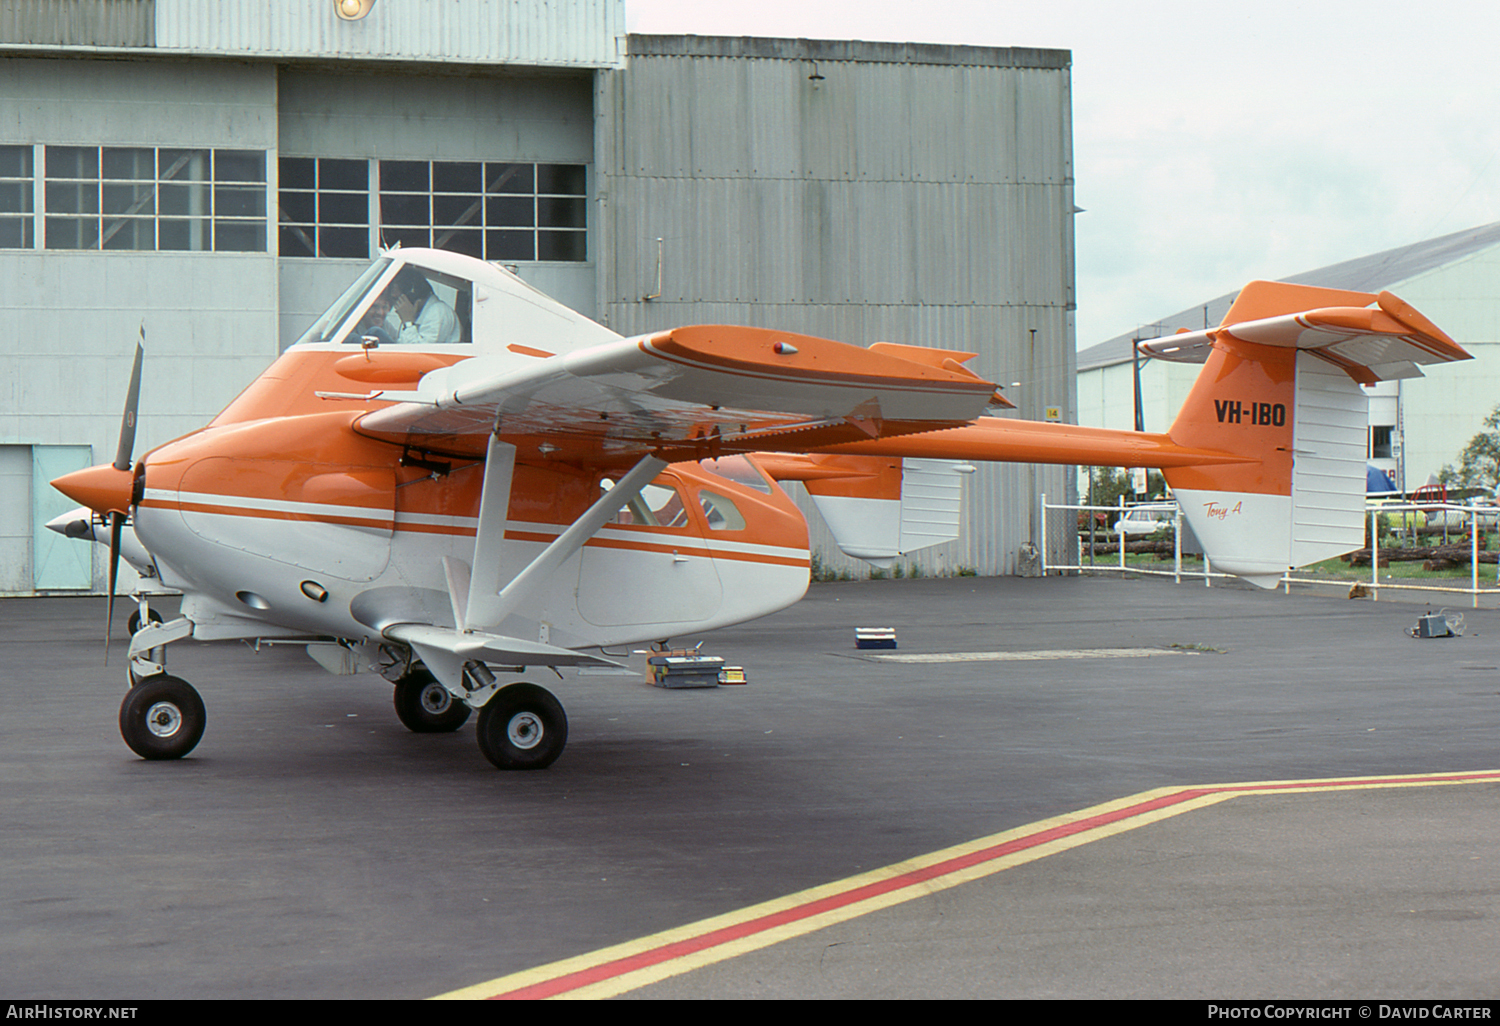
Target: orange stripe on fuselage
pixel 279 444
pixel 688 542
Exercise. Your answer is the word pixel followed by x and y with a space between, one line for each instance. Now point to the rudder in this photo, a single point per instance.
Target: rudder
pixel 1281 383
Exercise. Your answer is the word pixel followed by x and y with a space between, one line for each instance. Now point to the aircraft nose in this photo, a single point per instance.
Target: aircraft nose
pixel 76 523
pixel 102 489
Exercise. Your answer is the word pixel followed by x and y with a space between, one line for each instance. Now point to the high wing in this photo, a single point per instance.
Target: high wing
pixel 683 393
pixel 646 401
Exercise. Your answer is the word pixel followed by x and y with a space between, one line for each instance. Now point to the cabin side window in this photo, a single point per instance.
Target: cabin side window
pixel 658 505
pixel 720 512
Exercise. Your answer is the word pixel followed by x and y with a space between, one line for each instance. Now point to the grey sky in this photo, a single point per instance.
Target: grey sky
pixel 1217 143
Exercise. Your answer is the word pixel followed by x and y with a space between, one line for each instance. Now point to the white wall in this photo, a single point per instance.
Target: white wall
pixel 73 317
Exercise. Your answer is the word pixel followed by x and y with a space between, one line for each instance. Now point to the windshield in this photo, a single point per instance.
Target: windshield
pixel 324 327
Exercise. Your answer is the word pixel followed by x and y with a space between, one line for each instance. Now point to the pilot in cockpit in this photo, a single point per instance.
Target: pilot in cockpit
pixel 408 312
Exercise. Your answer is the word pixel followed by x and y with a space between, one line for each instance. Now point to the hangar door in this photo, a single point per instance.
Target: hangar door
pixel 33 558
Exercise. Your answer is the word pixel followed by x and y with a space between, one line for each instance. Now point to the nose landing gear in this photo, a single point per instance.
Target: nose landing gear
pixel 162 717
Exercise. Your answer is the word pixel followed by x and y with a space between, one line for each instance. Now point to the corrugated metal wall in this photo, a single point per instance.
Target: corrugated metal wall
pixel 78 22
pixel 537 33
pixel 578 33
pixel 858 191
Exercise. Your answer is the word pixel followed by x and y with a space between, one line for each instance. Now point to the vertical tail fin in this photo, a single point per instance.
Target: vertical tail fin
pixel 878 507
pixel 1281 382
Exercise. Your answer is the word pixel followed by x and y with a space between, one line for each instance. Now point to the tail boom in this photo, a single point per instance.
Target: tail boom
pixel 1267 455
pixel 1001 439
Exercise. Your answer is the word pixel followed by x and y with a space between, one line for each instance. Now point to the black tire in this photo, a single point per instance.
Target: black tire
pixel 426 707
pixel 522 728
pixel 135 620
pixel 162 717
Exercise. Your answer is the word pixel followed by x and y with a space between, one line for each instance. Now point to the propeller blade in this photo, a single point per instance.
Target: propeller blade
pixel 124 458
pixel 116 526
pixel 126 450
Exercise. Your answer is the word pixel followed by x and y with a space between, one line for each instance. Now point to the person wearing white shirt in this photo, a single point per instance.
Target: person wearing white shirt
pixel 425 319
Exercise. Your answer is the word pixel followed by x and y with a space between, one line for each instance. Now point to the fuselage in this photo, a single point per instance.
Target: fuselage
pixel 281 519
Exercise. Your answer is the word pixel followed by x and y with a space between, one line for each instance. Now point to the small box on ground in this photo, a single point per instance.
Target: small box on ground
pixel 1433 625
pixel 683 669
pixel 874 637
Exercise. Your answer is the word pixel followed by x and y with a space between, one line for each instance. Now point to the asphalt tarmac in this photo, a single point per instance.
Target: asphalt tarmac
pixel 311 847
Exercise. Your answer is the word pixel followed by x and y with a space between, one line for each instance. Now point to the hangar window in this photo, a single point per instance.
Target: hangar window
pixel 17 183
pixel 491 210
pixel 145 198
pixel 1380 441
pixel 324 207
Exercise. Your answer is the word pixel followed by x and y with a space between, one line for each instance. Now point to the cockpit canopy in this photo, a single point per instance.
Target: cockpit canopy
pixel 396 302
pixel 434 299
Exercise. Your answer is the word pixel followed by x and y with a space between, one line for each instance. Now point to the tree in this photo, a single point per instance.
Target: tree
pixel 1479 461
pixel 1109 483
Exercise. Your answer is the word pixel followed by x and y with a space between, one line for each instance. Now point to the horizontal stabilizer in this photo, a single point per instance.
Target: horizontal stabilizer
pixel 878 508
pixel 1383 341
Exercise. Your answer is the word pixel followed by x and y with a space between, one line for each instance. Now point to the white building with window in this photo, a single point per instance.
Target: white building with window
pixel 211 174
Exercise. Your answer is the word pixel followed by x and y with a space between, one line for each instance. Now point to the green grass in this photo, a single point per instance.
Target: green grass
pixel 1329 569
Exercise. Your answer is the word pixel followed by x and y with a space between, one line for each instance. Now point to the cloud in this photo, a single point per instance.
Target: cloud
pixel 1216 143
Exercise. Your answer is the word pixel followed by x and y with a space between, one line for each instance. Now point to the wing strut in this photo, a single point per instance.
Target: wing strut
pixel 494 506
pixel 487 604
pixel 479 609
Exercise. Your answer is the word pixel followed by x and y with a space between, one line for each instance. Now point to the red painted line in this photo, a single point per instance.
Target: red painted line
pixel 1295 785
pixel 714 938
pixel 728 934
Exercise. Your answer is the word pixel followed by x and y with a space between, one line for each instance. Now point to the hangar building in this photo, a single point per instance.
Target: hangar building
pixel 211 173
pixel 1417 425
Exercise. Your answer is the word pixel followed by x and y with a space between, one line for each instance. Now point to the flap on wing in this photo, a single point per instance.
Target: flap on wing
pixel 683 385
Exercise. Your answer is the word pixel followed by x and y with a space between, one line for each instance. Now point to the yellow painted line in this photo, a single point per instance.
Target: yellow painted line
pixel 633 964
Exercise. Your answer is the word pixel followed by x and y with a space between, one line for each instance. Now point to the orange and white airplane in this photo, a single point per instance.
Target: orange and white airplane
pixel 451 476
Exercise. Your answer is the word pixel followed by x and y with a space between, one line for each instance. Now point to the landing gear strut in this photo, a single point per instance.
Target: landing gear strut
pixel 162 717
pixel 523 727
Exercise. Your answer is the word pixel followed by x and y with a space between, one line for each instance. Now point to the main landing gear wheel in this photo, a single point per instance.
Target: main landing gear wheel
pixel 522 728
pixel 426 707
pixel 162 717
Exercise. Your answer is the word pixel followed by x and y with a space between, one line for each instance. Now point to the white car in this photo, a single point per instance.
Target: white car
pixel 1143 521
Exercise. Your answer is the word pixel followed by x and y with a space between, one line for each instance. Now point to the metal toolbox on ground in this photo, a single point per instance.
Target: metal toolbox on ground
pixel 683 669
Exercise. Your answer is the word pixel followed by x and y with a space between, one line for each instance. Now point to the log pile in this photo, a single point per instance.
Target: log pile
pixel 1103 548
pixel 1433 557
